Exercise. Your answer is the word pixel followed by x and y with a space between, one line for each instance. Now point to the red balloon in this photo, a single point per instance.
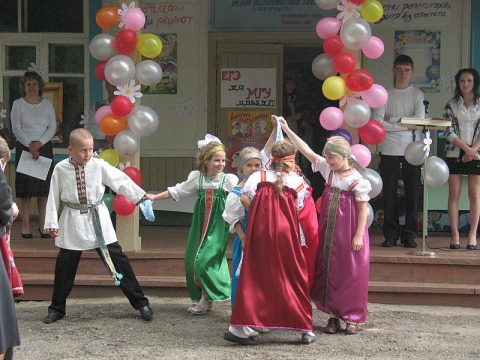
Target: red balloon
pixel 123 206
pixel 134 174
pixel 126 41
pixel 344 63
pixel 357 2
pixel 112 124
pixel 121 105
pixel 333 45
pixel 359 80
pixel 372 132
pixel 100 70
pixel 318 205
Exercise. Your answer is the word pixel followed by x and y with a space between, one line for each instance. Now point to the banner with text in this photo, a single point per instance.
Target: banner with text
pixel 168 17
pixel 415 12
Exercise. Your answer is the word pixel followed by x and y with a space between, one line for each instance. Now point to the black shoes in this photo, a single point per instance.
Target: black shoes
pixel 389 242
pixel 471 247
pixel 44 236
pixel 454 246
pixel 410 243
pixel 52 317
pixel 146 313
pixel 238 340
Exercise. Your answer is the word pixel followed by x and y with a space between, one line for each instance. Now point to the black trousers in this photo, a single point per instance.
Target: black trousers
pixel 411 175
pixel 66 267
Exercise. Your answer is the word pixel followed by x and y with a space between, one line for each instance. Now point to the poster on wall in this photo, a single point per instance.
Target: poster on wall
pixel 423 46
pixel 168 62
pixel 246 128
pixel 250 87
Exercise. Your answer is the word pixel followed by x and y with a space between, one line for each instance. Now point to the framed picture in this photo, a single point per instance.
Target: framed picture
pixel 53 91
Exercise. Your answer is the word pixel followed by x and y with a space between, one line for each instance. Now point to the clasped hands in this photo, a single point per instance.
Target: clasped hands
pixel 34 148
pixel 470 155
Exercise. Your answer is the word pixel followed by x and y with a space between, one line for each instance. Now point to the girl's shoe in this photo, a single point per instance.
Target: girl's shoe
pixel 333 326
pixel 471 247
pixel 351 329
pixel 199 309
pixel 249 331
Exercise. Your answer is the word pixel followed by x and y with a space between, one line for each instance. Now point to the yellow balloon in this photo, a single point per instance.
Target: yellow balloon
pixel 110 156
pixel 334 87
pixel 371 10
pixel 149 45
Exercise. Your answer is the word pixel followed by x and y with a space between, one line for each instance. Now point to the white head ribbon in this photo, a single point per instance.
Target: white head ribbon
pixel 208 138
pixel 279 136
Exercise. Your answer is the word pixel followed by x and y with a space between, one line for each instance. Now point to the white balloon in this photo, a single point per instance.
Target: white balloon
pixel 102 47
pixel 357 113
pixel 370 214
pixel 355 33
pixel 327 4
pixel 414 153
pixel 322 67
pixel 148 72
pixel 142 121
pixel 126 143
pixel 119 70
pixel 375 180
pixel 436 173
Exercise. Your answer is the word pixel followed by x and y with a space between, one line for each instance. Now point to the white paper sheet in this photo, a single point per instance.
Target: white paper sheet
pixel 37 168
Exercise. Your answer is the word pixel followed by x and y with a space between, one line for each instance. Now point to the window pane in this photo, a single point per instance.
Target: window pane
pixel 19 57
pixel 54 16
pixel 66 59
pixel 11 92
pixel 9 17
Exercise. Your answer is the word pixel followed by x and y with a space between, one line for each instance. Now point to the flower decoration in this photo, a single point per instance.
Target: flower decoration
pixel 185 108
pixel 84 118
pixel 38 68
pixel 348 10
pixel 121 166
pixel 448 81
pixel 3 114
pixel 427 141
pixel 123 11
pixel 130 90
pixel 349 96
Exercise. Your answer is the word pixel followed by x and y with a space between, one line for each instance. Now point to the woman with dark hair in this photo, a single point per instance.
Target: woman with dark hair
pixel 34 125
pixel 462 156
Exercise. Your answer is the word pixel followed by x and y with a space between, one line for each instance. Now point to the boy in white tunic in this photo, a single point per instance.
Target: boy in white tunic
pixel 79 182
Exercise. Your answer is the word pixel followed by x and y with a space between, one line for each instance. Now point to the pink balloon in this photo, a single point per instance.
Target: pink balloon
pixel 101 112
pixel 375 97
pixel 134 19
pixel 362 154
pixel 331 118
pixel 374 48
pixel 328 26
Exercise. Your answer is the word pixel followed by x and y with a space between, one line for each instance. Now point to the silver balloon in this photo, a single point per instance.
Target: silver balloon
pixel 322 67
pixel 357 113
pixel 119 70
pixel 142 121
pixel 327 4
pixel 370 214
pixel 414 153
pixel 437 172
pixel 355 33
pixel 375 180
pixel 148 72
pixel 126 143
pixel 102 47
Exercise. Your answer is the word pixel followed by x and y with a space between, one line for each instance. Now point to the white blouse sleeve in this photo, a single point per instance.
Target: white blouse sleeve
pixel 234 211
pixel 362 189
pixel 231 180
pixel 250 187
pixel 321 166
pixel 186 188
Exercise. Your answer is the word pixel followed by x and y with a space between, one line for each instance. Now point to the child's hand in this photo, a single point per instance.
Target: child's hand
pixel 15 210
pixel 283 123
pixel 53 232
pixel 357 243
pixel 149 197
pixel 274 121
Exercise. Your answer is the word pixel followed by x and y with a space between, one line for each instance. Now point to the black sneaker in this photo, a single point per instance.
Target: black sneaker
pixel 389 242
pixel 410 243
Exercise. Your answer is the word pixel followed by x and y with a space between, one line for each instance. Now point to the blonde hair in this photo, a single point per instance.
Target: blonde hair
pixel 339 141
pixel 243 158
pixel 206 152
pixel 280 150
pixel 4 150
pixel 79 134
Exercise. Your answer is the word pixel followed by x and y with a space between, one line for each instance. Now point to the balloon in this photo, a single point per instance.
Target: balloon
pixel 121 105
pixel 328 26
pixel 119 70
pixel 126 41
pixel 112 124
pixel 372 132
pixel 134 174
pixel 327 4
pixel 102 112
pixel 123 206
pixel 331 118
pixel 110 156
pixel 362 154
pixel 126 143
pixel 374 48
pixel 322 67
pixel 100 70
pixel 371 10
pixel 414 153
pixel 318 205
pixel 357 113
pixel 436 173
pixel 333 87
pixel 357 2
pixel 333 45
pixel 344 62
pixel 108 200
pixel 102 46
pixel 375 97
pixel 344 133
pixel 359 80
pixel 149 45
pixel 143 121
pixel 148 72
pixel 134 19
pixel 355 33
pixel 375 180
pixel 107 17
pixel 370 214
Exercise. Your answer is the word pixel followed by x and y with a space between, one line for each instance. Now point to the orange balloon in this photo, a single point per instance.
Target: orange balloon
pixel 107 17
pixel 112 124
pixel 318 205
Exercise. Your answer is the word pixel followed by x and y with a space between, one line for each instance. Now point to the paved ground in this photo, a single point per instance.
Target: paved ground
pixel 110 329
